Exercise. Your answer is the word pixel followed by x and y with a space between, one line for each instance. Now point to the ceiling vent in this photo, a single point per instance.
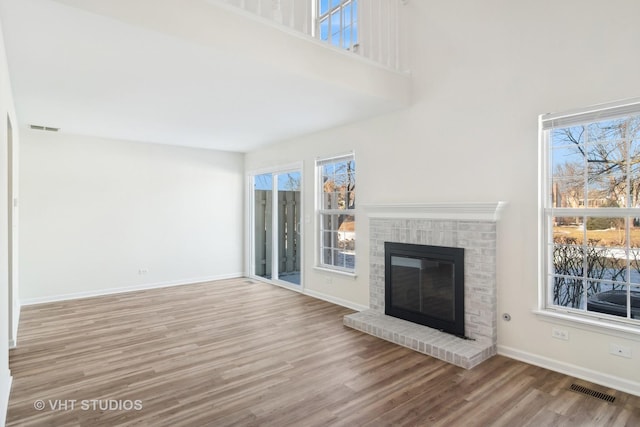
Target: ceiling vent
pixel 45 128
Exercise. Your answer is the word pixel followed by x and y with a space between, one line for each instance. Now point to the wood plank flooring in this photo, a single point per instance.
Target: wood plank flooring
pixel 242 353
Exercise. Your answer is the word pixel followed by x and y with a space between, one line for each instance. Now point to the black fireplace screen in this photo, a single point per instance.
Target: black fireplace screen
pixel 425 284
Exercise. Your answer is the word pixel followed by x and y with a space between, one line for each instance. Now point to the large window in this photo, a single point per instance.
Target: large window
pixel 591 212
pixel 337 22
pixel 336 213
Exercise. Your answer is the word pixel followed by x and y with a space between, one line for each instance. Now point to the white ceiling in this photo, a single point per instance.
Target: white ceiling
pixel 90 72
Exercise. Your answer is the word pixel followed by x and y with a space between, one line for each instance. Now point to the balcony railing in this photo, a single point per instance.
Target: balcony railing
pixel 377 34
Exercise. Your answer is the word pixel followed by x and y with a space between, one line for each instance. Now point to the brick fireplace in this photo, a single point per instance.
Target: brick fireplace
pixel 471 226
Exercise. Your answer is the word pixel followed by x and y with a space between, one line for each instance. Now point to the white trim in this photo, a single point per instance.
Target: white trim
pixel 611 381
pixel 319 211
pixel 110 291
pixel 5 391
pixel 17 309
pixel 593 113
pixel 249 231
pixel 335 300
pixel 542 229
pixel 473 211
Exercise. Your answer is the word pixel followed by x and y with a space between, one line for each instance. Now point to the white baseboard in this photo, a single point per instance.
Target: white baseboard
pixel 606 380
pixel 335 300
pixel 5 390
pixel 313 294
pixel 281 284
pixel 110 291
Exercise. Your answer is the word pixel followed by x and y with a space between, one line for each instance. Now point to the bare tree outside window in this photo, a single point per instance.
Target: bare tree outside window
pixel 594 191
pixel 337 179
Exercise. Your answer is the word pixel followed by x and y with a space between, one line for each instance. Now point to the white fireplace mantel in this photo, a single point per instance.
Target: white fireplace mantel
pixel 474 211
pixel 470 226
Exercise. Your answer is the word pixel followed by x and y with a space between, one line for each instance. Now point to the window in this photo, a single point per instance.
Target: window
pixel 590 203
pixel 336 213
pixel 337 22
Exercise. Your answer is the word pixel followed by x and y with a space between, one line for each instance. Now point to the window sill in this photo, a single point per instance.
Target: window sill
pixel 602 326
pixel 338 272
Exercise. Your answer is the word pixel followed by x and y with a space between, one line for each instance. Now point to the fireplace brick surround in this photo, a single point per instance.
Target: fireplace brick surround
pixel 471 226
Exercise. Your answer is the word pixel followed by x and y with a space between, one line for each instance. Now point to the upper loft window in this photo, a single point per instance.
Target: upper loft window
pixel 337 22
pixel 590 200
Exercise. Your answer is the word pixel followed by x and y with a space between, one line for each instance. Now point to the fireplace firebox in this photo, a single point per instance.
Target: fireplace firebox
pixel 425 285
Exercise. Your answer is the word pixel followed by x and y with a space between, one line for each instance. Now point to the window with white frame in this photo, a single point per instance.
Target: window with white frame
pixel 590 200
pixel 336 187
pixel 337 22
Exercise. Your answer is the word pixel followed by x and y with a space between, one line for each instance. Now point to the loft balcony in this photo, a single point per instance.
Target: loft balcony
pixel 369 29
pixel 230 75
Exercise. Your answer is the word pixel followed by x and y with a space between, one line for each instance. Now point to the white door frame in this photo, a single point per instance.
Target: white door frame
pixel 250 241
pixel 14 309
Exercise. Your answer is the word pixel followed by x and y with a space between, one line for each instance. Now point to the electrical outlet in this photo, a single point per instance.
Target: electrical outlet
pixel 561 334
pixel 620 350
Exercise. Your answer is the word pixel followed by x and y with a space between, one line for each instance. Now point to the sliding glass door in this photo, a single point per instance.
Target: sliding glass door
pixel 277 205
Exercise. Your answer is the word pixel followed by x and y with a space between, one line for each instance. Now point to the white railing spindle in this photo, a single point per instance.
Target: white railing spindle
pixel 380 33
pixel 396 25
pixel 277 11
pixel 292 15
pixel 370 42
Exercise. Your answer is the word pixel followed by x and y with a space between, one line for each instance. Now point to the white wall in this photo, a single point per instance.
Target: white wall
pixel 6 306
pixel 482 73
pixel 96 211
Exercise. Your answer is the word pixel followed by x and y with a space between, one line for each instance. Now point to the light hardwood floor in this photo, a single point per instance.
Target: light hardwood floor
pixel 243 353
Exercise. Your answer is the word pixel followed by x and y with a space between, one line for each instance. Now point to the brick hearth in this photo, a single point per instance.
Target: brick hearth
pixel 468 226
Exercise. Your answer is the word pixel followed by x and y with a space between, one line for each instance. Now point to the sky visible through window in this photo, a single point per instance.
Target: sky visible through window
pixel 595 256
pixel 286 181
pixel 338 22
pixel 598 163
